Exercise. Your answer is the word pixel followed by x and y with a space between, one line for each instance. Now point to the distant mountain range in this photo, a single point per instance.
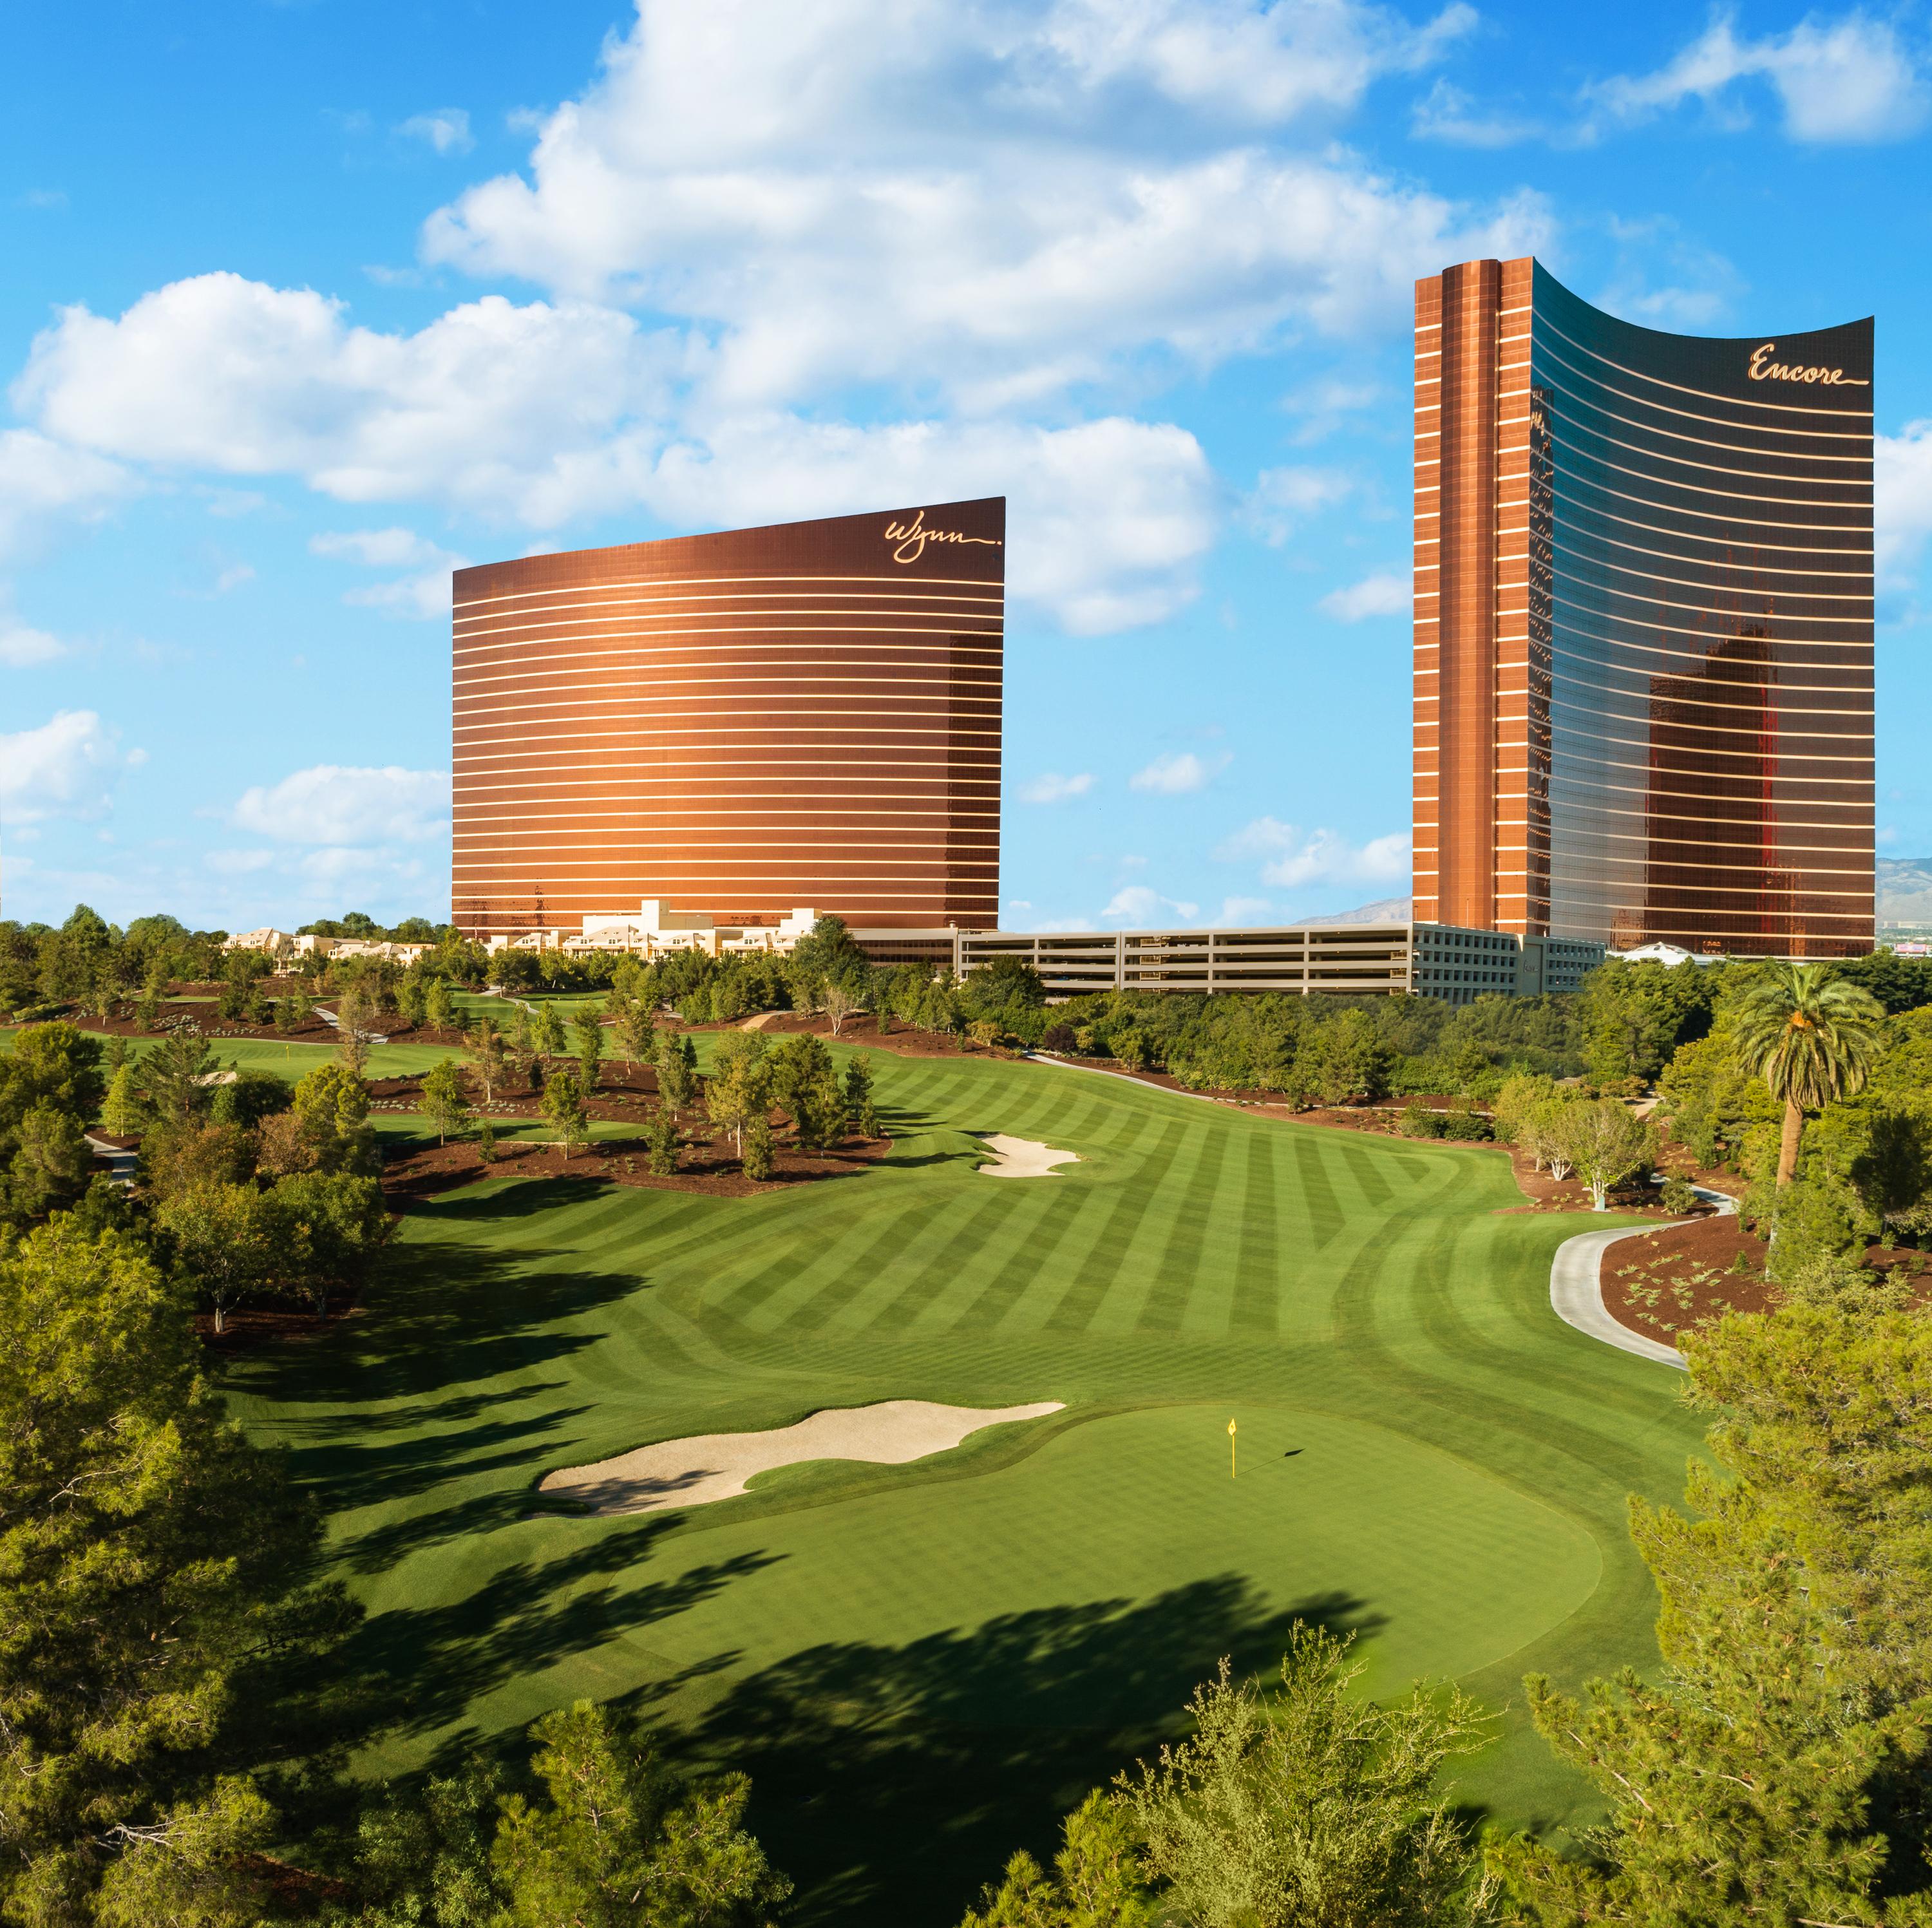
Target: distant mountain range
pixel 1905 890
pixel 1384 910
pixel 1904 897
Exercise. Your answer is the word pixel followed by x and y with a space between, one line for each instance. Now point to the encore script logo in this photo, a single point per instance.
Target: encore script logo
pixel 1762 371
pixel 913 536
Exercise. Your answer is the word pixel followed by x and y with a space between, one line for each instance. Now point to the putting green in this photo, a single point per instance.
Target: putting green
pixel 921 1665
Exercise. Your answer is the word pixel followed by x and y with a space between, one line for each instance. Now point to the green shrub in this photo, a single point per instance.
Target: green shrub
pixel 1678 1195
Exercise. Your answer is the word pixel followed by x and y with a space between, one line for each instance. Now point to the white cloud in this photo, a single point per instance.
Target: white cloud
pixel 485 406
pixel 1447 113
pixel 424 594
pixel 21 646
pixel 1141 904
pixel 1851 79
pixel 550 413
pixel 1176 774
pixel 1373 595
pixel 42 482
pixel 67 767
pixel 445 129
pixel 992 200
pixel 1262 64
pixel 1282 499
pixel 233 577
pixel 1902 498
pixel 1318 857
pixel 1106 522
pixel 1054 789
pixel 329 804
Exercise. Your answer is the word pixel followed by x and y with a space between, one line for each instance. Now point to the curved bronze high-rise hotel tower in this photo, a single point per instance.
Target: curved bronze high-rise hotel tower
pixel 739 725
pixel 1643 624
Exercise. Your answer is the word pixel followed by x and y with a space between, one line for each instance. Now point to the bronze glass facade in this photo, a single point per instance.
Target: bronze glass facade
pixel 1643 624
pixel 739 724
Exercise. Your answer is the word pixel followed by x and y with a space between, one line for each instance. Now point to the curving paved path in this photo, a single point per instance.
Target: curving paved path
pixel 1575 1288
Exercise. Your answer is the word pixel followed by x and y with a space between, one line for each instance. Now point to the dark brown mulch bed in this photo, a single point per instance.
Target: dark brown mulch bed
pixel 1680 1276
pixel 708 1166
pixel 248 1326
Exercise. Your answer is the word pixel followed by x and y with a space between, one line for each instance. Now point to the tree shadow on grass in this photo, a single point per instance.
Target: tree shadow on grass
pixel 892 1781
pixel 391 1468
pixel 439 1320
pixel 424 1665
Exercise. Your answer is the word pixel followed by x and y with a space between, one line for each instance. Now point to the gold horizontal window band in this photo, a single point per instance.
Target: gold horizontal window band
pixel 940 768
pixel 787 628
pixel 1849 759
pixel 1571 679
pixel 840 736
pixel 1573 761
pixel 1568 474
pixel 1570 478
pixel 1727 520
pixel 1709 636
pixel 1561 556
pixel 943 678
pixel 792 585
pixel 729 714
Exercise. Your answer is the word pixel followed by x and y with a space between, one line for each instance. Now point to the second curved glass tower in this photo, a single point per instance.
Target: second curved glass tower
pixel 1643 624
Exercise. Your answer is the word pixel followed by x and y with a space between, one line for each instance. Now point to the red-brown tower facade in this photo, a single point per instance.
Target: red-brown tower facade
pixel 738 724
pixel 1643 624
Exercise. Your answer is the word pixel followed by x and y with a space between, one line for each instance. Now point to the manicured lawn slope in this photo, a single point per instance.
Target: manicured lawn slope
pixel 920 1665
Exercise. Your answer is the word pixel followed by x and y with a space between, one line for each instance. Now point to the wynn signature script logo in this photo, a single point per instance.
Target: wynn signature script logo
pixel 913 536
pixel 1764 370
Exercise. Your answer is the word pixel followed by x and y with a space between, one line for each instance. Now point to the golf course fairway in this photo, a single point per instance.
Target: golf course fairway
pixel 923 1666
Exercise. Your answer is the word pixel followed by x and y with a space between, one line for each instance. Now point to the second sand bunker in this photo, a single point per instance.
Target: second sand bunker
pixel 715 1465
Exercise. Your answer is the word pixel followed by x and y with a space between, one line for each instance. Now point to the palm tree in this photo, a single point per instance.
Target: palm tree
pixel 1811 1037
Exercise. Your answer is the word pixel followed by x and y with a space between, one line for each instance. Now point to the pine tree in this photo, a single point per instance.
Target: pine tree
pixel 445 1103
pixel 661 1143
pixel 760 1158
pixel 160 1640
pixel 484 1045
pixel 120 1109
pixel 563 1106
pixel 1775 1771
pixel 589 1026
pixel 859 1105
pixel 677 1082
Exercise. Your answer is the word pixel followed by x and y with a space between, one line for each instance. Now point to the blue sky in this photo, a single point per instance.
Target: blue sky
pixel 304 301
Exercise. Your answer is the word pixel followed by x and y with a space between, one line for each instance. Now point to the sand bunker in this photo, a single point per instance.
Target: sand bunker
pixel 1022 1157
pixel 715 1465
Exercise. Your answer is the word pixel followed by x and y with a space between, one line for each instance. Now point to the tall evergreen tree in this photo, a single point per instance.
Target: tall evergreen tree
pixel 162 1635
pixel 1775 1771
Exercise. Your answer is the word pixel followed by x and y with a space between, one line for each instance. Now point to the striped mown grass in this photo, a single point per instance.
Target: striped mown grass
pixel 921 1665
